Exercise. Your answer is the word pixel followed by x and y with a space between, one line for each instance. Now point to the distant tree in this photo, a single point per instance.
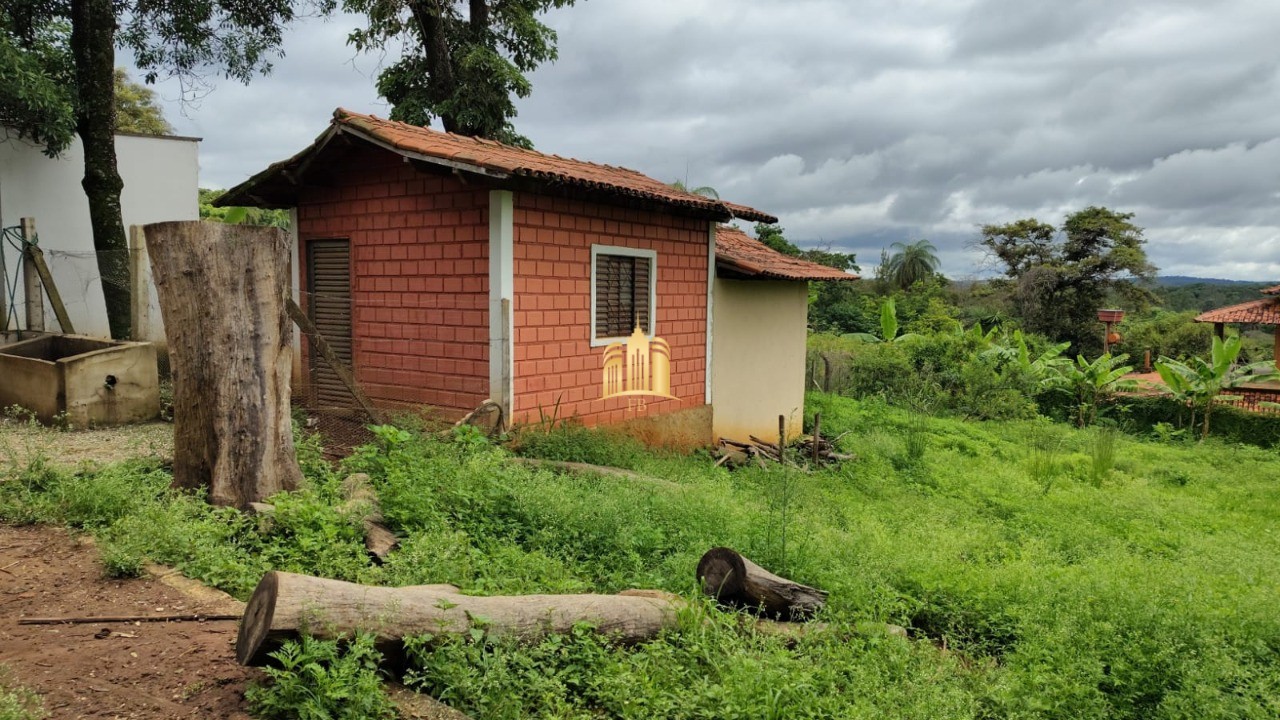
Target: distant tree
pixel 703 190
pixel 1201 383
pixel 911 263
pixel 136 109
pixel 238 215
pixel 772 235
pixel 1061 278
pixel 65 54
pixel 460 68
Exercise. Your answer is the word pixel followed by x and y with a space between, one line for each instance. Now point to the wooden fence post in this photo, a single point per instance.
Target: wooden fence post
pixel 139 284
pixel 31 278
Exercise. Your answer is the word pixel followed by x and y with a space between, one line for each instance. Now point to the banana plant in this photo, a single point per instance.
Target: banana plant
pixel 1092 382
pixel 1200 383
pixel 888 327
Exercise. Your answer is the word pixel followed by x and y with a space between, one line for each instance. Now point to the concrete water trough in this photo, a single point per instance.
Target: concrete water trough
pixel 93 381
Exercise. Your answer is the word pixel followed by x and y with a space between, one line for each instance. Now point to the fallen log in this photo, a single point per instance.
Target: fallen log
pixel 285 605
pixel 734 580
pixel 362 500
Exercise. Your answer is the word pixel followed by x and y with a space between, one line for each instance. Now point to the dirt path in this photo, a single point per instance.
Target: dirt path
pixel 147 670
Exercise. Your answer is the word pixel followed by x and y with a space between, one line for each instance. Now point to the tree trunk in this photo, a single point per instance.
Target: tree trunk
pixel 734 580
pixel 430 18
pixel 284 605
pixel 93 28
pixel 222 291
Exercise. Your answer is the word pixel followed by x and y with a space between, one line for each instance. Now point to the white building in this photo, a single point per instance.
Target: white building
pixel 161 181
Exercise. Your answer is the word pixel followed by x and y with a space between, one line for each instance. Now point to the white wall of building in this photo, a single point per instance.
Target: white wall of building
pixel 757 363
pixel 161 180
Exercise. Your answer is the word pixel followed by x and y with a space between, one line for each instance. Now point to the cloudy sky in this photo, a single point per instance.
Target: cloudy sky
pixel 864 123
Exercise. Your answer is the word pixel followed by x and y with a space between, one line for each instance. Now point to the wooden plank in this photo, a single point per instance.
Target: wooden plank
pixel 50 289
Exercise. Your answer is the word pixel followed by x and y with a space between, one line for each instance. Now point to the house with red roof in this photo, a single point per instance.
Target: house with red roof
pixel 1265 311
pixel 448 270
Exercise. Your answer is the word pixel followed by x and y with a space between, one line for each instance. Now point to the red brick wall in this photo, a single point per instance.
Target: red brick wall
pixel 554 359
pixel 420 282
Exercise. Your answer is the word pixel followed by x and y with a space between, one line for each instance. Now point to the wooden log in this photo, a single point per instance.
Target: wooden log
pixel 736 581
pixel 362 500
pixel 326 352
pixel 222 291
pixel 285 605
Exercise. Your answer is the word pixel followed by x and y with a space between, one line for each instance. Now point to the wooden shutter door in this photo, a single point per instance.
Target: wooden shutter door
pixel 329 304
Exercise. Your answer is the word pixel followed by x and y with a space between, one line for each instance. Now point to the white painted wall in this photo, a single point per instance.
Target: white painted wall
pixel 757 367
pixel 161 179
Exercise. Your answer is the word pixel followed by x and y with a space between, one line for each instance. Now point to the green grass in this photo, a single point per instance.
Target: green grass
pixel 16 701
pixel 1041 574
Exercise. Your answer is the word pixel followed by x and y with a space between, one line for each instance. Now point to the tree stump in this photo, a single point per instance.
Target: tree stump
pixel 734 580
pixel 285 605
pixel 222 291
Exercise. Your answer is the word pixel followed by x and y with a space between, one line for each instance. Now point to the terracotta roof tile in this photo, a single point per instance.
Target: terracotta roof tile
pixel 743 255
pixel 1262 312
pixel 492 158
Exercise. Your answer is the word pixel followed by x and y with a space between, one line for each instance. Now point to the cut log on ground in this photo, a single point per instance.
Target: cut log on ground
pixel 222 291
pixel 736 581
pixel 285 605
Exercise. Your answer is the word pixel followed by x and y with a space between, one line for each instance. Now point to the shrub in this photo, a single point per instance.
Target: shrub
pixel 322 680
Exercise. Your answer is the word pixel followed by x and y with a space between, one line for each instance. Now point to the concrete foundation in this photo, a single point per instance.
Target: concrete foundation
pixel 94 382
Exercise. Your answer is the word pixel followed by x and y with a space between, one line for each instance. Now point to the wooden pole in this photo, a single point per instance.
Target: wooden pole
pixel 50 289
pixel 782 438
pixel 139 286
pixel 31 278
pixel 340 368
pixel 817 436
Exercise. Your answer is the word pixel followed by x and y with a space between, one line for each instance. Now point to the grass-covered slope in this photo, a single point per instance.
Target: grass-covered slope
pixel 1043 572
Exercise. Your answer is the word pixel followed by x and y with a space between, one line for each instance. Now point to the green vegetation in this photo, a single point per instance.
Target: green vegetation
pixel 1200 383
pixel 238 215
pixel 17 702
pixel 1042 571
pixel 323 680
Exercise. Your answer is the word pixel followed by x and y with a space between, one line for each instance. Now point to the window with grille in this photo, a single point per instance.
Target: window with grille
pixel 622 288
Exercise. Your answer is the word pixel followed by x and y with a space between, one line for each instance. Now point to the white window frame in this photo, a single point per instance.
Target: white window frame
pixel 652 255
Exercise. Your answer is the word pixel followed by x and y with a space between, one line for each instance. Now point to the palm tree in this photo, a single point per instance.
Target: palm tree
pixel 912 262
pixel 704 191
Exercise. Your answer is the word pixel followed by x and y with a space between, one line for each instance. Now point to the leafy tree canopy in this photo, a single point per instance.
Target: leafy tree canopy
pixel 912 262
pixel 1061 277
pixel 136 109
pixel 463 61
pixel 37 99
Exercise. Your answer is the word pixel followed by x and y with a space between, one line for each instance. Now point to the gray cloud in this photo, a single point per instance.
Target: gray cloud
pixel 861 124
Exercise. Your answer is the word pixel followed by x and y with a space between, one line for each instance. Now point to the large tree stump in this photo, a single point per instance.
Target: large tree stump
pixel 734 580
pixel 222 291
pixel 285 605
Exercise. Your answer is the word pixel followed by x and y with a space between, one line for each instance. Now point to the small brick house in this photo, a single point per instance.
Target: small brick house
pixel 448 270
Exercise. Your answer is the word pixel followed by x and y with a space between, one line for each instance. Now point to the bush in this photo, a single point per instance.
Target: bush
pixel 1151 414
pixel 322 680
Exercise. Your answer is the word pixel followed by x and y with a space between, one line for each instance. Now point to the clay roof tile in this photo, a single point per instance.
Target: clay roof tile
pixel 743 255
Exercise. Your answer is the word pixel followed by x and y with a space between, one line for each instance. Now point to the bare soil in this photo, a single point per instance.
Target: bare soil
pixel 110 670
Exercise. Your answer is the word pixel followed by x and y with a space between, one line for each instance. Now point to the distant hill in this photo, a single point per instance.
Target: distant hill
pixel 1181 280
pixel 1182 293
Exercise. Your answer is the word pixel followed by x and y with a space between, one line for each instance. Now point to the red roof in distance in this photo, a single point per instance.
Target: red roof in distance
pixel 1260 312
pixel 743 255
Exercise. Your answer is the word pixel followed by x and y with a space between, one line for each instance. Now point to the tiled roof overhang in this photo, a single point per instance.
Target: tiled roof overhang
pixel 741 256
pixel 501 163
